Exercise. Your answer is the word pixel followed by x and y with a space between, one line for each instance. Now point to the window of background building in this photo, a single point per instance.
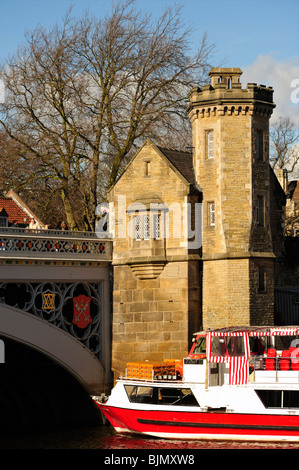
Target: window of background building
pixel 146 227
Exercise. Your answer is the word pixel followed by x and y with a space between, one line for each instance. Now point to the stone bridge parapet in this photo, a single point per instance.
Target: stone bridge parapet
pixel 53 244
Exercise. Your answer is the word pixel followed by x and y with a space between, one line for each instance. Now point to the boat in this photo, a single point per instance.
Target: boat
pixel 237 383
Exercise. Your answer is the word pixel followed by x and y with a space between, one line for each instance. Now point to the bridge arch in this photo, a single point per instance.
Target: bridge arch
pixel 55 344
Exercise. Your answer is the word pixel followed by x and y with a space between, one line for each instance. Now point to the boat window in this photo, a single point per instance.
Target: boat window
pixel 200 347
pixel 285 342
pixel 161 395
pixel 219 346
pixel 139 394
pixel 176 396
pixel 228 346
pixel 235 346
pixel 279 398
pixel 258 345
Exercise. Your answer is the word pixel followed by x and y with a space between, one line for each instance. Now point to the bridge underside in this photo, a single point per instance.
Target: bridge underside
pixel 55 344
pixel 38 395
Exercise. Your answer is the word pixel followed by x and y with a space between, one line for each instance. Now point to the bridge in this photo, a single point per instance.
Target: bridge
pixel 55 300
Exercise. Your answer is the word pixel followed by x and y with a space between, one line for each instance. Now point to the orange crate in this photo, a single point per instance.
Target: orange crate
pixel 177 363
pixel 144 370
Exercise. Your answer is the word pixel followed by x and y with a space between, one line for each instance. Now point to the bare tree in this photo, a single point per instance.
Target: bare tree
pixel 29 181
pixel 39 107
pixel 81 96
pixel 283 137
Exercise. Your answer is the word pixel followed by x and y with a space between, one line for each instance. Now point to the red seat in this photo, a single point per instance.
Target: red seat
pixel 285 360
pixel 270 361
pixel 271 353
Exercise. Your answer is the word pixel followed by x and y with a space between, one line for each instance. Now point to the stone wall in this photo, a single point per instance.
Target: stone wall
pixel 226 291
pixel 152 318
pixel 262 300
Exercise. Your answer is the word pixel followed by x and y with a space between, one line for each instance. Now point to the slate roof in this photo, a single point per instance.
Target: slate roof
pixel 182 161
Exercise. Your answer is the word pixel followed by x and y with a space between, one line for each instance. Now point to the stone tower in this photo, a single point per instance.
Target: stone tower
pixel 231 163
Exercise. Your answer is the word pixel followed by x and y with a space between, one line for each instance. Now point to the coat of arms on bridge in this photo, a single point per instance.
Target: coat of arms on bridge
pixel 82 316
pixel 48 301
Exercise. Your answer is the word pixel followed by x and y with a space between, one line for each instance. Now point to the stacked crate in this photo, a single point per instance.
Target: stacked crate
pixel 177 364
pixel 141 370
pixel 168 370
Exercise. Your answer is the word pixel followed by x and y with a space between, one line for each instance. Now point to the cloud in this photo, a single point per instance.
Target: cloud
pixel 283 76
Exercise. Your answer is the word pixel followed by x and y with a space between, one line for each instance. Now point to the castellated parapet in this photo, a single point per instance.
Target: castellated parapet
pixel 225 96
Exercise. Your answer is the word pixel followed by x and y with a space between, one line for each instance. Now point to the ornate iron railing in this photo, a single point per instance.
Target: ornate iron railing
pixel 53 244
pixel 76 308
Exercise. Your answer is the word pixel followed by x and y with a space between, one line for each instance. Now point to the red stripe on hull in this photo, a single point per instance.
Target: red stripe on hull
pixel 197 424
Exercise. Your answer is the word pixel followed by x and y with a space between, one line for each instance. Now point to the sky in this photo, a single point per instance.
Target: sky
pixel 259 36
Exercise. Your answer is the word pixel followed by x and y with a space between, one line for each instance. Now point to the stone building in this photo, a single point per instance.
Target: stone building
pixel 196 235
pixel 156 268
pixel 231 160
pixel 292 207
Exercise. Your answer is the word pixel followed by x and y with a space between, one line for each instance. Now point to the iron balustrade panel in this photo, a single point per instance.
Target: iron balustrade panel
pixel 53 244
pixel 77 307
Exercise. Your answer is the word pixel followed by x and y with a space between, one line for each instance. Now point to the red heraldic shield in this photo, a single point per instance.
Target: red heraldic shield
pixel 82 316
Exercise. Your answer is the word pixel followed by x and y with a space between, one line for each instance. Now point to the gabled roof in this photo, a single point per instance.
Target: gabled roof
pixel 181 162
pixel 16 209
pixel 14 212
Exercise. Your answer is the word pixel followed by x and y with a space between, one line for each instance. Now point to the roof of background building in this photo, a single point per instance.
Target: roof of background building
pixel 14 212
pixel 293 190
pixel 16 209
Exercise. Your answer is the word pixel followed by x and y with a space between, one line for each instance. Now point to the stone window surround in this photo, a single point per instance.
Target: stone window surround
pixel 209 144
pixel 152 218
pixel 147 167
pixel 211 214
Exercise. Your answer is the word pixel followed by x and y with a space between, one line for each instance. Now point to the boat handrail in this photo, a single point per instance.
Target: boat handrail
pixel 147 380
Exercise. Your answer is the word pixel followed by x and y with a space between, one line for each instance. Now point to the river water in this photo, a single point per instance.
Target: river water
pixel 104 438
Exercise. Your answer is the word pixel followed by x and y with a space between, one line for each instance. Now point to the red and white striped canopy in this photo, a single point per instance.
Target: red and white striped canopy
pixel 256 331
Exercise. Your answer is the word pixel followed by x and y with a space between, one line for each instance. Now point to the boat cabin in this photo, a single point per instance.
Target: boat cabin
pixel 239 355
pixel 231 356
